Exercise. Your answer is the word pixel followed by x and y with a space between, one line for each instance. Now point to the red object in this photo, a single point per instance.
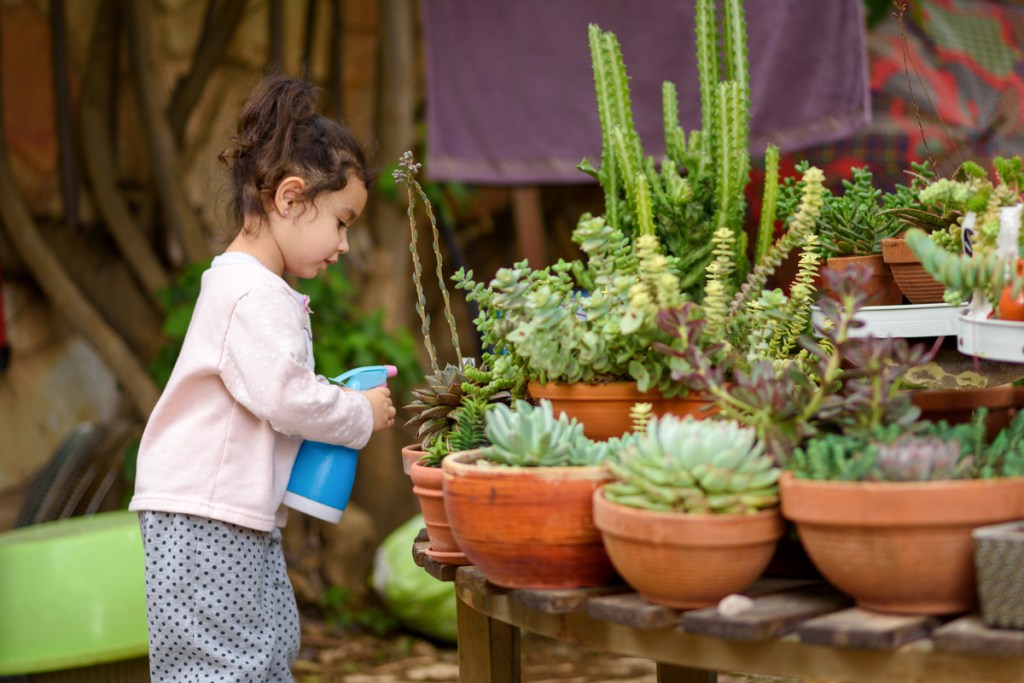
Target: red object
pixel 1012 307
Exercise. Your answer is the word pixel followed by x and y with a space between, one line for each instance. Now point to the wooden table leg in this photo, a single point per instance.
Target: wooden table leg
pixel 488 648
pixel 670 673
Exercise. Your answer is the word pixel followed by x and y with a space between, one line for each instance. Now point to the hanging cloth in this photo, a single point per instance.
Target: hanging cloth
pixel 510 91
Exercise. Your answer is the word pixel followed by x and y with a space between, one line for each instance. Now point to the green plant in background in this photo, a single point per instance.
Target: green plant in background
pixel 699 186
pixel 178 302
pixel 343 614
pixel 853 223
pixel 695 466
pixel 971 190
pixel 531 436
pixel 940 221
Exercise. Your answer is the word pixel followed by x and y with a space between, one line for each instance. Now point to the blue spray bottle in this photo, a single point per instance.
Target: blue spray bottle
pixel 323 474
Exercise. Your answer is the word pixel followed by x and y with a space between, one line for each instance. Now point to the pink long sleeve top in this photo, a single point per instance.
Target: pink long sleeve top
pixel 243 395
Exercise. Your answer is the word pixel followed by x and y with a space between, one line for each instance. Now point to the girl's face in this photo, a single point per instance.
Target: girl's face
pixel 318 233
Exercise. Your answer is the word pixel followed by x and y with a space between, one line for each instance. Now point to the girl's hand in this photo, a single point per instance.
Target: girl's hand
pixel 382 407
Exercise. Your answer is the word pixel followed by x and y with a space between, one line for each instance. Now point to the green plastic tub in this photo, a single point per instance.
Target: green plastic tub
pixel 72 594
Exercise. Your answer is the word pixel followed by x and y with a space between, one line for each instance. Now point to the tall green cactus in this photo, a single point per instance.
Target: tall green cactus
pixel 699 186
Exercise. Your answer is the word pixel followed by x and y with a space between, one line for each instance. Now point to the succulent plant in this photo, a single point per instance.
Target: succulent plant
pixel 852 223
pixel 696 466
pixel 432 406
pixel 848 383
pixel 920 458
pixel 448 411
pixel 971 191
pixel 531 436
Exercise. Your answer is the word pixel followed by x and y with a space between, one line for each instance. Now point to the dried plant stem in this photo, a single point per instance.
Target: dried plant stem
pixel 417 278
pixel 406 169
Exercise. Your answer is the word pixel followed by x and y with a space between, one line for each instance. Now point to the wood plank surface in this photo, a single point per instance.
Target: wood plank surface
pixel 970 635
pixel 630 609
pixel 562 601
pixel 769 617
pixel 859 628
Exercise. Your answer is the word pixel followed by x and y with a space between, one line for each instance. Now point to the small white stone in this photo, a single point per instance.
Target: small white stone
pixel 734 604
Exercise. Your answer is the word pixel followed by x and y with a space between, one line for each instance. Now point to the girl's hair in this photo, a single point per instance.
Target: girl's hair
pixel 280 133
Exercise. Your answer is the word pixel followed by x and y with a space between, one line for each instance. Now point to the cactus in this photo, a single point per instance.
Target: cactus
pixel 531 436
pixel 699 186
pixel 694 466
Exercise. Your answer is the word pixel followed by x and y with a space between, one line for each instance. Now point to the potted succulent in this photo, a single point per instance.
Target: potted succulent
pixel 987 274
pixel 692 515
pixel 844 419
pixel 851 228
pixel 939 221
pixel 586 327
pixel 520 508
pixel 887 515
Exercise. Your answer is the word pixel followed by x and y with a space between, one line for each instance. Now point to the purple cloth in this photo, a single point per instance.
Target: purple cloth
pixel 510 91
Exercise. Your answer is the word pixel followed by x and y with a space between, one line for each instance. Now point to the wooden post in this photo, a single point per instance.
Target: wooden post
pixel 488 648
pixel 529 222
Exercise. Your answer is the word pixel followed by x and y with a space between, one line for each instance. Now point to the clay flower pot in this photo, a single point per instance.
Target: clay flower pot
pixel 957 406
pixel 603 409
pixel 912 279
pixel 411 454
pixel 527 527
pixel 899 547
pixel 881 288
pixel 429 492
pixel 686 560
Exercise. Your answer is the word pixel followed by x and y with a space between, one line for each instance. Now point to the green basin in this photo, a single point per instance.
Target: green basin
pixel 73 592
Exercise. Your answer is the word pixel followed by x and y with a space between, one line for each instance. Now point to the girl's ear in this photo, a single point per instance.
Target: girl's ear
pixel 289 191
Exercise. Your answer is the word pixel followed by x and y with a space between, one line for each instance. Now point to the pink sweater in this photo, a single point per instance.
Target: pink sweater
pixel 221 440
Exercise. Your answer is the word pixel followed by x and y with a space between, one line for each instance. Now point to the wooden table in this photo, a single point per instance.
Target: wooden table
pixel 794 628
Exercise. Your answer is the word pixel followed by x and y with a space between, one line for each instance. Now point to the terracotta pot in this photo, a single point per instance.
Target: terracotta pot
pixel 881 288
pixel 411 454
pixel 916 284
pixel 527 527
pixel 603 409
pixel 430 494
pixel 683 560
pixel 899 547
pixel 957 406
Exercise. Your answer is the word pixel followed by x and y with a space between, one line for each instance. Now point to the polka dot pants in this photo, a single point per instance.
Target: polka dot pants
pixel 219 603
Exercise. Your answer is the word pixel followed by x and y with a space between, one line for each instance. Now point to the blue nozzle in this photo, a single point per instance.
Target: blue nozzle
pixel 366 377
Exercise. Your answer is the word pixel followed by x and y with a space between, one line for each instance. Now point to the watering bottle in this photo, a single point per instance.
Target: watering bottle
pixel 323 474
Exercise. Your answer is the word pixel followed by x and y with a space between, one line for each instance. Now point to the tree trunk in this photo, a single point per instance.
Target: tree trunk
pixel 64 295
pixel 162 151
pixel 97 148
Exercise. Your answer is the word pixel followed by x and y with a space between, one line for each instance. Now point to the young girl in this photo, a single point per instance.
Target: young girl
pixel 218 449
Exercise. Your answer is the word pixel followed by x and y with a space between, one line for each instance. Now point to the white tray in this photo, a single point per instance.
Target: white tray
pixel 991 339
pixel 909 320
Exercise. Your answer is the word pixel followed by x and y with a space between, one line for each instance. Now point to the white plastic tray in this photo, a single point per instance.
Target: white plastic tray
pixel 991 339
pixel 909 320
